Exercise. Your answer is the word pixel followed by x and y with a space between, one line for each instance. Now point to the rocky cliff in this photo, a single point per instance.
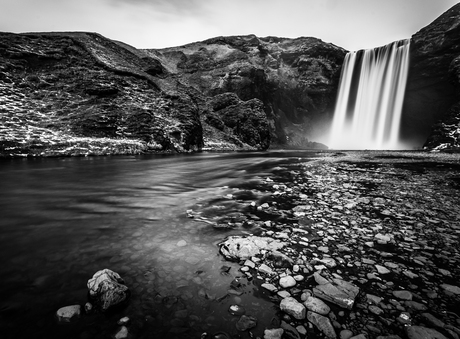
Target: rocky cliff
pixel 296 79
pixel 432 102
pixel 82 94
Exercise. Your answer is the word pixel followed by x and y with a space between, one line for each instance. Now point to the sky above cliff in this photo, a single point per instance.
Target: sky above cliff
pixel 351 24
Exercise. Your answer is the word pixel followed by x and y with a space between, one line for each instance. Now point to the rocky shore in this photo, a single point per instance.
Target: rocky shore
pixel 348 245
pixel 359 246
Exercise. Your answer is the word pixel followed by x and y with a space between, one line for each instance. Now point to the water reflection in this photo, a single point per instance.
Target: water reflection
pixel 64 219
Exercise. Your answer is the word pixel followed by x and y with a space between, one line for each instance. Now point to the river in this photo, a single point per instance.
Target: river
pixel 63 219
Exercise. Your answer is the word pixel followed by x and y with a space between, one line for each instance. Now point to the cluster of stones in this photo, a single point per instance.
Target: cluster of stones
pixel 365 251
pixel 106 291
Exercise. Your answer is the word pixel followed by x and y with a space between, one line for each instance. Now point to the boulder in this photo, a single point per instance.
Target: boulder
pixel 287 281
pixel 106 289
pixel 292 307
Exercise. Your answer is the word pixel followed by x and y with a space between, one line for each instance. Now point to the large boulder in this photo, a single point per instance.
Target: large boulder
pixel 106 289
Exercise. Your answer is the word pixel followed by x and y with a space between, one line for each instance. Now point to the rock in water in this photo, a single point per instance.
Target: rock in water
pixel 322 323
pixel 107 289
pixel 245 323
pixel 293 308
pixel 67 313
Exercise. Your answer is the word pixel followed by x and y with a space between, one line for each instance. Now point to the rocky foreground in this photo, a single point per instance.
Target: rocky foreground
pixel 359 247
pixel 348 245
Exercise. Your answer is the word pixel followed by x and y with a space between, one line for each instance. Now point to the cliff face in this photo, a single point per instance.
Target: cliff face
pixel 296 79
pixel 80 93
pixel 432 102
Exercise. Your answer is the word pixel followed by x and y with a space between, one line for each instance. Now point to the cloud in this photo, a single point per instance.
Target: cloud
pixel 171 7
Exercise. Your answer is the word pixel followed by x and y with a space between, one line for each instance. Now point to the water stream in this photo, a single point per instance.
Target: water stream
pixel 64 219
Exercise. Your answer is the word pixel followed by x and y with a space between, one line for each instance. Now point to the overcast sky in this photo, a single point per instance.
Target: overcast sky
pixel 351 24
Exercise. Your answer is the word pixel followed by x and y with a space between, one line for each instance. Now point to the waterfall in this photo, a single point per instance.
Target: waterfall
pixel 370 99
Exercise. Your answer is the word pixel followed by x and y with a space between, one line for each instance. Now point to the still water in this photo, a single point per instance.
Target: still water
pixel 63 219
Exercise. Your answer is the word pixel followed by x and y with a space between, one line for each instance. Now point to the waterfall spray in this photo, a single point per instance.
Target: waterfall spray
pixel 370 99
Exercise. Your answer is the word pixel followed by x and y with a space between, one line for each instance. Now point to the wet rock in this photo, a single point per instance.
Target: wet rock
pixel 415 306
pixel 287 282
pixel 246 323
pixel 106 289
pixel 346 334
pixel 322 323
pixel 67 313
pixel 337 291
pixel 382 269
pixel 292 307
pixel 270 287
pixel 236 310
pixel 122 333
pixel 432 320
pixel 375 310
pixel 420 332
pixel 451 288
pixel 317 305
pixel 404 295
pixel 123 321
pixel 280 259
pixel 290 331
pixel 275 333
pixel 241 248
pixel 265 269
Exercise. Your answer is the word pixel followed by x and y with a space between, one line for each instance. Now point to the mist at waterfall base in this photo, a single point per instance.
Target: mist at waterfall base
pixel 370 99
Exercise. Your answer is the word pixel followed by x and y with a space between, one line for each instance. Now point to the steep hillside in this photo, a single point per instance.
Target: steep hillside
pixel 82 94
pixel 432 101
pixel 296 79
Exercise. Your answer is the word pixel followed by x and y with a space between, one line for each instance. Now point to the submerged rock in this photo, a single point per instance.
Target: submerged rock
pixel 246 323
pixel 67 313
pixel 107 289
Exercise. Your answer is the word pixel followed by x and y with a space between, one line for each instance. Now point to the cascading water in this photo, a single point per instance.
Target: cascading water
pixel 371 94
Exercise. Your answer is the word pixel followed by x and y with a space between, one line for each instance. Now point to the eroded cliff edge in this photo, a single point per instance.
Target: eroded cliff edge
pixel 432 101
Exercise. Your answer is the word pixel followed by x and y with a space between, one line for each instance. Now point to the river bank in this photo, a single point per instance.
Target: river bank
pixel 359 244
pixel 365 244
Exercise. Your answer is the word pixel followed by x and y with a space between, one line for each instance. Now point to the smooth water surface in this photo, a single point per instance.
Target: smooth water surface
pixel 64 219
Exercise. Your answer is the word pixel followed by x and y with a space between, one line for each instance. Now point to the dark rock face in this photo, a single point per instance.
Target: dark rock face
pixel 80 93
pixel 433 88
pixel 295 79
